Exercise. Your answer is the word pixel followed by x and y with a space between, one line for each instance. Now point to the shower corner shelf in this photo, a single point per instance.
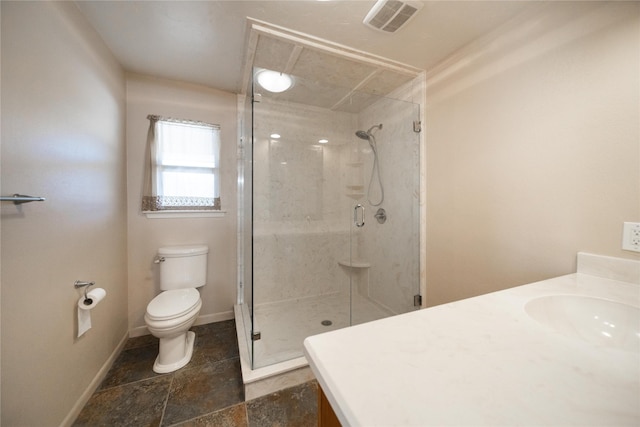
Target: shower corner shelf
pixel 354 263
pixel 355 191
pixel 355 186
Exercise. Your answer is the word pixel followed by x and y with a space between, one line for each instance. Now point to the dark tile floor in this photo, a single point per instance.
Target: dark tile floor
pixel 206 392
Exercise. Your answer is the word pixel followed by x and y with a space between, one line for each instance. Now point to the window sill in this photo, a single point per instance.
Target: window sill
pixel 184 214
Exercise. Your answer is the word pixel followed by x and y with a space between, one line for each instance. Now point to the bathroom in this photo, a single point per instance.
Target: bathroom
pixel 512 192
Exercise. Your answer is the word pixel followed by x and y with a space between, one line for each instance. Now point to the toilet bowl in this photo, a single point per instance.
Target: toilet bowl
pixel 169 317
pixel 172 312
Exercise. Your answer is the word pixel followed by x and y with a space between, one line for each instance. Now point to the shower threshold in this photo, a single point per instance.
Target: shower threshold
pixel 285 366
pixel 262 381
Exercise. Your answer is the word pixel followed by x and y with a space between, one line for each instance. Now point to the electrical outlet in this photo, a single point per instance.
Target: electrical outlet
pixel 631 236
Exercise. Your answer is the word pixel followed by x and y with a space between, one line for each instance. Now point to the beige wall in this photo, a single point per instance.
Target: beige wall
pixel 533 149
pixel 63 115
pixel 186 101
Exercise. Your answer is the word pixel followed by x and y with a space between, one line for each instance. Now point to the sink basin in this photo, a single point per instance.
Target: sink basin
pixel 595 320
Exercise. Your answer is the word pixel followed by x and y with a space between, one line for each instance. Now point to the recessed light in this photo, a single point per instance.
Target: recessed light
pixel 274 136
pixel 274 81
pixel 323 141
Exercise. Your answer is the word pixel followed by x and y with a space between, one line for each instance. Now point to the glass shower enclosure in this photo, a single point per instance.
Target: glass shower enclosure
pixel 330 219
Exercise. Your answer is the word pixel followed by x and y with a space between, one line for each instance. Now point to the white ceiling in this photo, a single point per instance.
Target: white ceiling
pixel 204 42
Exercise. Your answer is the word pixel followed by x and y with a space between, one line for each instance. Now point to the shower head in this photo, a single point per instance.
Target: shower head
pixel 367 135
pixel 363 135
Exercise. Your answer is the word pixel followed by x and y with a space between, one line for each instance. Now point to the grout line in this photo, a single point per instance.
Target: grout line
pixel 246 412
pixel 197 417
pixel 166 400
pixel 156 376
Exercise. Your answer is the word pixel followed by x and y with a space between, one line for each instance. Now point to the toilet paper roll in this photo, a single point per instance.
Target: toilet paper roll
pixel 94 296
pixel 85 306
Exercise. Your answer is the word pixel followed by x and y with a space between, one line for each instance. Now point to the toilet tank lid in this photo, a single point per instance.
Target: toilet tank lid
pixel 187 250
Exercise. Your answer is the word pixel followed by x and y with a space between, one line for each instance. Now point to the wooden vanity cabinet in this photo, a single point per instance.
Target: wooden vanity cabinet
pixel 326 416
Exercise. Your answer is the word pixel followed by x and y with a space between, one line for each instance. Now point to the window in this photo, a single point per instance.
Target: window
pixel 183 166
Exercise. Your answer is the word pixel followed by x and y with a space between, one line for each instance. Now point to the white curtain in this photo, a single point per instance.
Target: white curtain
pixel 182 170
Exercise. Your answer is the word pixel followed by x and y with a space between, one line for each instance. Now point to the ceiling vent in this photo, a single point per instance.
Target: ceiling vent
pixel 390 15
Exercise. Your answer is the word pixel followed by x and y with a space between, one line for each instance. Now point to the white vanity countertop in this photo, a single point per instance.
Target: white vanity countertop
pixel 480 361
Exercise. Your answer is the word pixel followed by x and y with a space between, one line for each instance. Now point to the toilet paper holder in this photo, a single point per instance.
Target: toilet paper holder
pixel 81 284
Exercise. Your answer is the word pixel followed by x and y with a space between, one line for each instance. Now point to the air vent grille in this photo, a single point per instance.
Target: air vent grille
pixel 386 14
pixel 390 15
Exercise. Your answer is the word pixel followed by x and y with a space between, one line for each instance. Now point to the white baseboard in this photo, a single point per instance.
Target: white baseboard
pixel 93 385
pixel 201 320
pixel 215 317
pixel 138 332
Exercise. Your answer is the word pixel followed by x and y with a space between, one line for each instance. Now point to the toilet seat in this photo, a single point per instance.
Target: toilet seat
pixel 174 303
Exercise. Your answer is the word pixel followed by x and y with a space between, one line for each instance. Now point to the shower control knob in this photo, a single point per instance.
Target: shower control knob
pixel 381 216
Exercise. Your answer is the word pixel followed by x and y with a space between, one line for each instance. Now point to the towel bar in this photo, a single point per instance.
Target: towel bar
pixel 18 199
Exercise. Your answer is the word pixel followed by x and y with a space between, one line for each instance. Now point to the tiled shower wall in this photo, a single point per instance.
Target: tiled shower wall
pixel 301 221
pixel 392 248
pixel 303 215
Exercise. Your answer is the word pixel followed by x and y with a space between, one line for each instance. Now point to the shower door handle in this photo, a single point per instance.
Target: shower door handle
pixel 355 216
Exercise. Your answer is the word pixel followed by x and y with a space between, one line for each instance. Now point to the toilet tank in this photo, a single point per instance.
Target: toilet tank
pixel 183 266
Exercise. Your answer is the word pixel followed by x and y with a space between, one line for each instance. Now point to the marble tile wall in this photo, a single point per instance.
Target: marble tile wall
pixel 296 264
pixel 302 209
pixel 295 177
pixel 392 248
pixel 301 222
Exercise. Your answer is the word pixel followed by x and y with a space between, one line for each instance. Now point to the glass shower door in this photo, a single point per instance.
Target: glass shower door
pixel 300 227
pixel 386 248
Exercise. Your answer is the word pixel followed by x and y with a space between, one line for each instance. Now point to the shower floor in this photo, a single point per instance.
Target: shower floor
pixel 284 325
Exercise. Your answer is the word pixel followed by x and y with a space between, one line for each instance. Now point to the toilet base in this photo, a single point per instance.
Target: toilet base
pixel 160 368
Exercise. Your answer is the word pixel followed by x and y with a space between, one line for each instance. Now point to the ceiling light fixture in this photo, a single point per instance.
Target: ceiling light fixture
pixel 274 81
pixel 275 136
pixel 323 141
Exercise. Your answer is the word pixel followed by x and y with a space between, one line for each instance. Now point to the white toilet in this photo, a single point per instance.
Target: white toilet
pixel 170 314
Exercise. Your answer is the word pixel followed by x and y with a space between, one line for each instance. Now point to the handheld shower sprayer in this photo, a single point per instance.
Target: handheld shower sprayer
pixel 368 136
